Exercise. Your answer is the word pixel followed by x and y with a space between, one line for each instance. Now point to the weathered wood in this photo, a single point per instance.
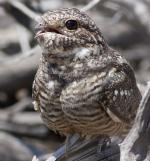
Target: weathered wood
pixel 16 121
pixel 84 150
pixel 18 72
pixel 13 149
pixel 136 145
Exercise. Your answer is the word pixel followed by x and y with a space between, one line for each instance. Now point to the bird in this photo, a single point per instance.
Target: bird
pixel 82 85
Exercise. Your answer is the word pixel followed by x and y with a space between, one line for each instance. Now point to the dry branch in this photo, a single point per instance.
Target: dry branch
pixel 21 7
pixel 90 5
pixel 18 72
pixel 23 124
pixel 24 9
pixel 15 121
pixel 136 144
pixel 13 149
pixel 137 12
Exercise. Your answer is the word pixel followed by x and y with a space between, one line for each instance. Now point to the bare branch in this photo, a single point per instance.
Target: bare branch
pixel 23 38
pixel 35 158
pixel 13 148
pixel 90 5
pixel 22 73
pixel 135 145
pixel 34 16
pixel 138 12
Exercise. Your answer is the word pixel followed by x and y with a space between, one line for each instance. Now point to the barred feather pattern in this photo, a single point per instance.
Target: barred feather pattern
pixel 48 101
pixel 86 87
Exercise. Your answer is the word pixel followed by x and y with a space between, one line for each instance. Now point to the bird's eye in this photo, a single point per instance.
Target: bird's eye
pixel 71 24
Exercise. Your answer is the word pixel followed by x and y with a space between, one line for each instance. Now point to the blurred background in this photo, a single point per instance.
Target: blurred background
pixel 125 25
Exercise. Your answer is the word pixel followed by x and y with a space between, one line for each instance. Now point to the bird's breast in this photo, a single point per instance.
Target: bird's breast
pixel 80 104
pixel 49 91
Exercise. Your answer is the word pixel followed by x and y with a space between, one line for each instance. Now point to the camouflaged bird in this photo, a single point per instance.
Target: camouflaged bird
pixel 82 85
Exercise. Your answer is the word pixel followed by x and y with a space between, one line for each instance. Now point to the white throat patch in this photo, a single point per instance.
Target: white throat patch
pixel 82 53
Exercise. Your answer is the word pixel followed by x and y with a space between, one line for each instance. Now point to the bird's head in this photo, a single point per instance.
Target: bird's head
pixel 66 29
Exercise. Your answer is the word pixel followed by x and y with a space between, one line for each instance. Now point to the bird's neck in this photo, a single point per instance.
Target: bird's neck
pixel 81 62
pixel 77 55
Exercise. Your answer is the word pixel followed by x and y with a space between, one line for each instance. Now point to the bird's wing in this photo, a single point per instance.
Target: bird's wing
pixel 113 89
pixel 120 96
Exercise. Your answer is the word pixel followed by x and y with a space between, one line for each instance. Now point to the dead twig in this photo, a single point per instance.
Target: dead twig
pixel 20 75
pixel 90 5
pixel 31 14
pixel 137 12
pixel 135 145
pixel 13 149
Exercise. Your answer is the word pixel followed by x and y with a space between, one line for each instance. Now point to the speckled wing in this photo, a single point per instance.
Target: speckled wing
pixel 120 97
pixel 114 91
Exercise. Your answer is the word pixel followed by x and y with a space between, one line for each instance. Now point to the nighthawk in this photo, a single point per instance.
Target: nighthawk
pixel 82 85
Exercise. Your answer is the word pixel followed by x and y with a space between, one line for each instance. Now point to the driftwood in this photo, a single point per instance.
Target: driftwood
pixel 137 143
pixel 13 149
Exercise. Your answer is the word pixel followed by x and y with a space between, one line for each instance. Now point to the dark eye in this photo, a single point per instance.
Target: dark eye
pixel 71 24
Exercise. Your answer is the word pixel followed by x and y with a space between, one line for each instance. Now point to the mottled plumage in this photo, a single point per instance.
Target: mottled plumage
pixel 82 85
